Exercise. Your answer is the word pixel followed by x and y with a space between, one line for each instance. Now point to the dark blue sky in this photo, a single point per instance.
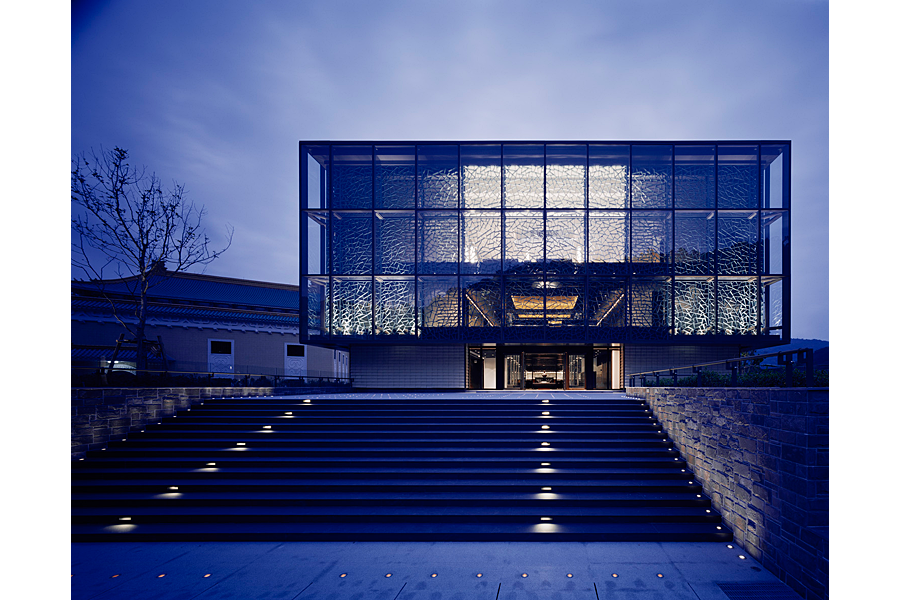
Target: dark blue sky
pixel 216 94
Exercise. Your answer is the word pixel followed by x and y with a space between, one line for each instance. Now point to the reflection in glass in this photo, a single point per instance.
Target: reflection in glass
pixel 438 176
pixel 738 185
pixel 480 176
pixel 523 176
pixel 395 176
pixel 695 176
pixel 352 177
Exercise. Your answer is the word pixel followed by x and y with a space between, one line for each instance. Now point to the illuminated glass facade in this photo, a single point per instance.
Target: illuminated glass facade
pixel 545 242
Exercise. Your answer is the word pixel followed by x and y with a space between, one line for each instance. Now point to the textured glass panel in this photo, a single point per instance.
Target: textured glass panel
pixel 317 306
pixel 774 294
pixel 315 235
pixel 438 176
pixel 351 307
pixel 438 242
pixel 774 224
pixel 566 176
pixel 481 241
pixel 395 307
pixel 651 176
pixel 524 309
pixel 565 241
pixel 738 177
pixel 695 306
pixel 438 308
pixel 480 176
pixel 695 177
pixel 606 309
pixel 317 160
pixel 523 250
pixel 523 176
pixel 352 243
pixel 695 242
pixel 650 308
pixel 395 243
pixel 608 176
pixel 651 242
pixel 565 302
pixel 608 242
pixel 773 159
pixel 352 177
pixel 738 305
pixel 738 243
pixel 395 177
pixel 482 310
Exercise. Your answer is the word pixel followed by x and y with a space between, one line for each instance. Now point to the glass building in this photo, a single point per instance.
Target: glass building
pixel 542 264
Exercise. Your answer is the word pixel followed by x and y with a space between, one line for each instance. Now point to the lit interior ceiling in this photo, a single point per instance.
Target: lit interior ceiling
pixel 537 302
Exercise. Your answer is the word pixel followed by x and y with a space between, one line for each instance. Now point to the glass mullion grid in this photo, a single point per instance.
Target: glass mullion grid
pixel 330 200
pixel 759 245
pixel 416 241
pixel 716 241
pixel 672 248
pixel 374 245
pixel 502 246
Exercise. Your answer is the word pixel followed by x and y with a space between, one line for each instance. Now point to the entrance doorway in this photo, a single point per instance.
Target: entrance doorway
pixel 542 367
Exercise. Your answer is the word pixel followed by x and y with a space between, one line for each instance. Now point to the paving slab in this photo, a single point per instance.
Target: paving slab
pixel 410 570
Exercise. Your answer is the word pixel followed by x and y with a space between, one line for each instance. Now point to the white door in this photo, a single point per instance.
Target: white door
pixel 294 360
pixel 220 356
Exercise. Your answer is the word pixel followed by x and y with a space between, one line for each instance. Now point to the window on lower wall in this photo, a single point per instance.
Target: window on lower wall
pixel 296 350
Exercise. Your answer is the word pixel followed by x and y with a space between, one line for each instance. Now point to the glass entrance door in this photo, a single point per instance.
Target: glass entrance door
pixel 514 371
pixel 575 371
pixel 545 371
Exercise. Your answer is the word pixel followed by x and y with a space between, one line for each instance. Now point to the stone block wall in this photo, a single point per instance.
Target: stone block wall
pixel 762 457
pixel 101 415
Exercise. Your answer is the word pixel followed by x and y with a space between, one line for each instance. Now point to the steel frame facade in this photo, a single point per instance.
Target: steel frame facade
pixel 521 242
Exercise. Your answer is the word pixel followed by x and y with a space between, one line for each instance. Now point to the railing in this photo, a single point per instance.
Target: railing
pixel 785 358
pixel 131 377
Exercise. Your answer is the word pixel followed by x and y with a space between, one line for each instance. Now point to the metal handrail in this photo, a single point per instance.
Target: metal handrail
pixel 236 378
pixel 785 357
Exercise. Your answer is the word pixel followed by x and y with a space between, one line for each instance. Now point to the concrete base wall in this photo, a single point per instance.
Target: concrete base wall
pixel 408 366
pixel 102 415
pixel 762 456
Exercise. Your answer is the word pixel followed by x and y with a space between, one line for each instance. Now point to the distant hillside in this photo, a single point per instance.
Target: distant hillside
pixel 819 347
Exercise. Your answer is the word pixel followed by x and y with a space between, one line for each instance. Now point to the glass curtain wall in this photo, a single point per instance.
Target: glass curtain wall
pixel 544 242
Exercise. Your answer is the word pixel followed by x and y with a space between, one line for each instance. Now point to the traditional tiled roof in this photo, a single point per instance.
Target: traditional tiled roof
pixel 206 289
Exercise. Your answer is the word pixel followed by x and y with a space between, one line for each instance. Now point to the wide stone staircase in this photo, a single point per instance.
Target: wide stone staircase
pixel 404 466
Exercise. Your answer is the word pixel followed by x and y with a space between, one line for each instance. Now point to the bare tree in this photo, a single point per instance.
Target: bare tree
pixel 126 222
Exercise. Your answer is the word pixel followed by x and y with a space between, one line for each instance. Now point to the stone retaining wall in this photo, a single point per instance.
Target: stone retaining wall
pixel 101 415
pixel 762 456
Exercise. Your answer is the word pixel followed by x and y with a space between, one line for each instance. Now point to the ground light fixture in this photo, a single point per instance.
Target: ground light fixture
pixel 545 443
pixel 659 574
pixel 615 574
pixel 546 489
pixel 742 557
pixel 524 574
pixel 434 574
pixel 545 464
pixel 207 575
pixel 479 574
pixel 542 427
pixel 568 574
pixel 343 574
pixel 388 575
